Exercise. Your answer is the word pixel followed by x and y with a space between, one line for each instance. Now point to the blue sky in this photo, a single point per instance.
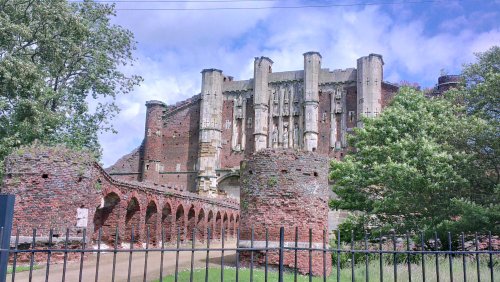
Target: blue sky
pixel 417 41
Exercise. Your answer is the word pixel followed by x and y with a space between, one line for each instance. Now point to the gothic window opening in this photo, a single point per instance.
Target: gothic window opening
pixel 351 116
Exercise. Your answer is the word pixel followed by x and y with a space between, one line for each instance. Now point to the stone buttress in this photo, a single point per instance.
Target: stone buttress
pixel 369 86
pixel 210 130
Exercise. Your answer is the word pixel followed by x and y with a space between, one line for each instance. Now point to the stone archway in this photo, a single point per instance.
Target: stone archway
pixel 107 217
pixel 218 226
pixel 230 184
pixel 231 226
pixel 151 222
pixel 132 221
pixel 225 225
pixel 191 224
pixel 167 222
pixel 200 225
pixel 180 223
pixel 210 224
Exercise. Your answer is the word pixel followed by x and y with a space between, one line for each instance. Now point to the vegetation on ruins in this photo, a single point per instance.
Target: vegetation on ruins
pixel 60 71
pixel 428 164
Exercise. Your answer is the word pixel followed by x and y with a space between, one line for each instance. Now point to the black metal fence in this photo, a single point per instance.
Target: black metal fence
pixel 392 257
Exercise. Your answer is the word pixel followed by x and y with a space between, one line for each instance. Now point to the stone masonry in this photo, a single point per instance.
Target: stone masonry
pixel 197 145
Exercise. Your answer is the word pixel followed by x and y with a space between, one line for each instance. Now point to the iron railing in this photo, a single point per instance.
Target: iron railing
pixel 409 258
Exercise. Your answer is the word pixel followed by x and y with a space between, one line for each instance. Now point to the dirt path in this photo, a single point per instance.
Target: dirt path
pixel 122 261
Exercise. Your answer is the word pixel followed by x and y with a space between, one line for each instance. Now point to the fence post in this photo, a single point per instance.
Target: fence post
pixel 282 248
pixel 6 217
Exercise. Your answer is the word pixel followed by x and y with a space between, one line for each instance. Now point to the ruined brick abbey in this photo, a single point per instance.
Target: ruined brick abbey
pixel 272 135
pixel 197 145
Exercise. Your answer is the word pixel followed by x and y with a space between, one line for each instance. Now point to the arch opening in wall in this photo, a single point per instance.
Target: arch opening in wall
pixel 107 216
pixel 218 226
pixel 132 221
pixel 231 226
pixel 180 223
pixel 210 224
pixel 191 223
pixel 200 225
pixel 167 222
pixel 230 184
pixel 225 225
pixel 152 222
pixel 237 223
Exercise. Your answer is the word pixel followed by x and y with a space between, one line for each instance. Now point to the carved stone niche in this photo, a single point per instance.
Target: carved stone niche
pixel 238 113
pixel 276 110
pixel 296 109
pixel 338 145
pixel 338 107
pixel 286 110
pixel 287 93
pixel 237 148
pixel 275 96
pixel 298 94
pixel 323 117
pixel 239 101
pixel 338 93
pixel 249 122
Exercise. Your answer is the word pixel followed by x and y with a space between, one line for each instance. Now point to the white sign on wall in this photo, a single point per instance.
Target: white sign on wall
pixel 82 215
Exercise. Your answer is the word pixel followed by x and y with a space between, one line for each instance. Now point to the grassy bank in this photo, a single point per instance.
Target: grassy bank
pixel 214 274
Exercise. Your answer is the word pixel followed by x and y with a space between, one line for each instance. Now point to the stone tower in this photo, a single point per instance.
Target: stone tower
pixel 262 69
pixel 312 67
pixel 210 130
pixel 369 77
pixel 153 141
pixel 285 187
pixel 447 82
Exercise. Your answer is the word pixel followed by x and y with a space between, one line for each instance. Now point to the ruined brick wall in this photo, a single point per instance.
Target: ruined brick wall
pixel 128 167
pixel 388 92
pixel 50 184
pixel 249 128
pixel 447 82
pixel 228 157
pixel 179 152
pixel 284 187
pixel 153 141
pixel 324 122
pixel 351 106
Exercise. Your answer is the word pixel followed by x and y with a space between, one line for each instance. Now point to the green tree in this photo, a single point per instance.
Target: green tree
pixel 482 85
pixel 60 71
pixel 412 169
pixel 481 97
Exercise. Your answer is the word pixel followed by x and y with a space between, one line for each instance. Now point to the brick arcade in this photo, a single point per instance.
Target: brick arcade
pixel 57 188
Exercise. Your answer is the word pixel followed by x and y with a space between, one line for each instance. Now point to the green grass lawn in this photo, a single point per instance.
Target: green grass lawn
pixel 21 268
pixel 359 273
